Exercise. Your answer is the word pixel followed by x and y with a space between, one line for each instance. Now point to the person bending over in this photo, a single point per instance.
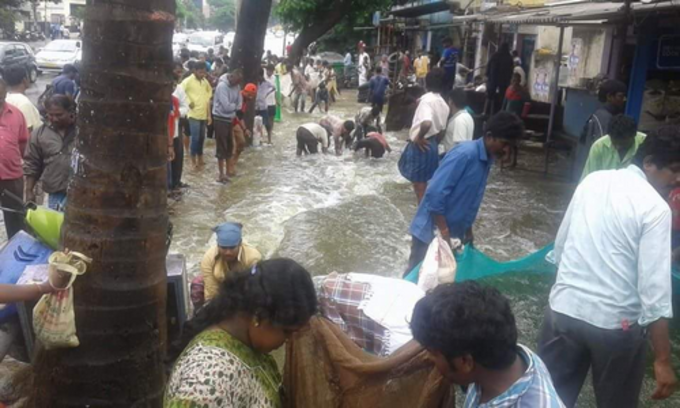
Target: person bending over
pixel 375 145
pixel 309 136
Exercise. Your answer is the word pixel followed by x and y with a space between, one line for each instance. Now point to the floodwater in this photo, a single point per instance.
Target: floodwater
pixel 351 214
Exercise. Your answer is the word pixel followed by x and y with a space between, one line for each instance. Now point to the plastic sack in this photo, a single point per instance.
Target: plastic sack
pixel 258 131
pixel 438 267
pixel 54 320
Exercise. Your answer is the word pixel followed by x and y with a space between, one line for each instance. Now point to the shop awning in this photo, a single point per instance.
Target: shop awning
pixel 419 8
pixel 657 6
pixel 557 15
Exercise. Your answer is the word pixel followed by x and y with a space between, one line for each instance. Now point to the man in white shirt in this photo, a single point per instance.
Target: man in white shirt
pixel 309 136
pixel 271 102
pixel 613 285
pixel 363 65
pixel 420 158
pixel 461 126
pixel 18 82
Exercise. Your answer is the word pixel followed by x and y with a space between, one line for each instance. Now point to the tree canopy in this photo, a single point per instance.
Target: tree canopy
pixel 188 14
pixel 314 18
pixel 223 16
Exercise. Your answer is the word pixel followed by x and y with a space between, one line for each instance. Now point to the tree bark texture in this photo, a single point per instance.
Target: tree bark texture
pixel 248 47
pixel 318 28
pixel 117 213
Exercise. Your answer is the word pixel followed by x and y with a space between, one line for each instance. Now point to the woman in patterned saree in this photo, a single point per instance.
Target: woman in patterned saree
pixel 225 360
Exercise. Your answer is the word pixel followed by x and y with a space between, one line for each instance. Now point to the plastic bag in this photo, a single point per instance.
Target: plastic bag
pixel 258 131
pixel 54 320
pixel 438 267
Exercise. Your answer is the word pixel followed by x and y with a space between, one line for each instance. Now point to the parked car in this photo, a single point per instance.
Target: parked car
pixel 201 41
pixel 16 53
pixel 332 57
pixel 59 53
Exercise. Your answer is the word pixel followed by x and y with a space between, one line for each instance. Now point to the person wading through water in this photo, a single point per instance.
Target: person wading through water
pixel 199 94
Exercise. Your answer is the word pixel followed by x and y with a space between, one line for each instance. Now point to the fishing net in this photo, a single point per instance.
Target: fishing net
pixel 474 265
pixel 325 368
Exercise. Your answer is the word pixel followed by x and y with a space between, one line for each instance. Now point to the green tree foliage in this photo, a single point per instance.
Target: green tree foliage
pixel 312 19
pixel 188 15
pixel 223 16
pixel 8 12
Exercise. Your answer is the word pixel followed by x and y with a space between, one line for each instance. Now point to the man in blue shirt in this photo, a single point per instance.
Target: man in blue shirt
pixel 449 62
pixel 65 84
pixel 455 192
pixel 470 334
pixel 378 86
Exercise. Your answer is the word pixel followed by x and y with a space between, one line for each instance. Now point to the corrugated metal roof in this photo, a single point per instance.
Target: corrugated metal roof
pixel 563 14
pixel 420 8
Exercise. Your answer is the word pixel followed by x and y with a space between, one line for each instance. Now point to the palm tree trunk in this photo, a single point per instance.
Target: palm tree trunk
pixel 117 214
pixel 246 54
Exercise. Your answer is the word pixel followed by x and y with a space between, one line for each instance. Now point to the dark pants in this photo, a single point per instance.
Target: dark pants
pixel 13 222
pixel 306 142
pixel 376 149
pixel 177 165
pixel 224 139
pixel 570 347
pixel 418 252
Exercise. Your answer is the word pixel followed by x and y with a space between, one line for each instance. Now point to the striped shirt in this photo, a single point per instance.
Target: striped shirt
pixel 534 390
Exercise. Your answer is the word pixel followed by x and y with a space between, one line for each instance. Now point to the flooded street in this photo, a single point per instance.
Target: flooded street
pixel 349 213
pixel 352 214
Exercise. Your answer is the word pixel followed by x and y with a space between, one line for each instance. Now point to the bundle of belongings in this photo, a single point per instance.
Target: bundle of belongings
pixel 360 352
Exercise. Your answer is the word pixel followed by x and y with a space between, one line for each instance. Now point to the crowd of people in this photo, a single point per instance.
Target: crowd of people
pixel 613 249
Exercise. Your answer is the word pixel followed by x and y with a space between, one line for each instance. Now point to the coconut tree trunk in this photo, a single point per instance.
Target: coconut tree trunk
pixel 246 54
pixel 117 214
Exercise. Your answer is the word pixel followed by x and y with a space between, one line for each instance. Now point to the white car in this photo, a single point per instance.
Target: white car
pixel 201 41
pixel 59 53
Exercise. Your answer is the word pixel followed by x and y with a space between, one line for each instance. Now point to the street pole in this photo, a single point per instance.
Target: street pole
pixel 47 31
pixel 555 95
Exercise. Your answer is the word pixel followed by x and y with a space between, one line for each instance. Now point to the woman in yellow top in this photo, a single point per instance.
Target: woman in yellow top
pixel 230 255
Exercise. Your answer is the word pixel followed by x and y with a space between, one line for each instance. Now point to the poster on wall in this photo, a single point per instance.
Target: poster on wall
pixel 541 86
pixel 575 54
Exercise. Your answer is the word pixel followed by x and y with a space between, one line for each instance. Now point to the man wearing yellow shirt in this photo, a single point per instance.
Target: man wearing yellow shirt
pixel 422 67
pixel 616 150
pixel 199 94
pixel 230 254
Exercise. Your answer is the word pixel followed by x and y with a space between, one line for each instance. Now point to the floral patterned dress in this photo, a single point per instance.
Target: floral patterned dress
pixel 218 371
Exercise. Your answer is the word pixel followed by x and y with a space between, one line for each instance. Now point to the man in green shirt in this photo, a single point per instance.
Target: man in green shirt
pixel 616 150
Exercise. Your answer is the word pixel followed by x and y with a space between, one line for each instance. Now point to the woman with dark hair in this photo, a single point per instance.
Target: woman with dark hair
pixel 225 360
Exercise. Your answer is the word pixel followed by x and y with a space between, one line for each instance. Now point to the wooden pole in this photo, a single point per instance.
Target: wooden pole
pixel 555 95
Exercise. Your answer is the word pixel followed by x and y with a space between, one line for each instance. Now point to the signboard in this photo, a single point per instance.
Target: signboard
pixel 668 56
